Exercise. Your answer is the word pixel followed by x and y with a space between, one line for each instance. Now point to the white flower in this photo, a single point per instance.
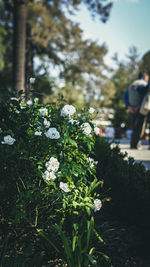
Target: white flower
pixel 29 103
pixel 8 140
pixel 97 204
pixel 67 110
pixel 17 111
pixel 32 80
pixel 38 133
pixel 86 128
pixel 46 123
pixel 91 162
pixel 52 164
pixel 1 130
pixel 64 187
pixel 43 111
pixel 91 110
pixel 49 176
pixel 52 133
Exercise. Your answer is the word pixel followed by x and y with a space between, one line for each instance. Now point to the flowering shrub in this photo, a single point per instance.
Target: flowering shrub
pixel 48 175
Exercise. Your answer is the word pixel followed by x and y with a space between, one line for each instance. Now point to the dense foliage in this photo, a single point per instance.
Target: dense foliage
pixel 48 180
pixel 127 183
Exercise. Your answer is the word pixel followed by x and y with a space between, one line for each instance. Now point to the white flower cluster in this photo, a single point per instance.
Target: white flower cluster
pixel 52 164
pixel 52 133
pixel 97 204
pixel 67 110
pixel 8 140
pixel 43 111
pixel 49 176
pixel 86 128
pixel 52 167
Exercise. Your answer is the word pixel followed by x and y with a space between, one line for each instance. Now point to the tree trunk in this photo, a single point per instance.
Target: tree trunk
pixel 29 61
pixel 19 45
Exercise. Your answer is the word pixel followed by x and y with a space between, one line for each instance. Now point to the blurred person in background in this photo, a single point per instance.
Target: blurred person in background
pixel 133 98
pixel 109 132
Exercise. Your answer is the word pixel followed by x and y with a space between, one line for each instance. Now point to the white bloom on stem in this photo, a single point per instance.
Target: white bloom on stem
pixel 91 110
pixel 38 133
pixel 97 204
pixel 49 175
pixel 1 130
pixel 46 123
pixel 86 128
pixel 91 162
pixel 52 133
pixel 67 110
pixel 29 103
pixel 64 187
pixel 52 164
pixel 43 111
pixel 8 140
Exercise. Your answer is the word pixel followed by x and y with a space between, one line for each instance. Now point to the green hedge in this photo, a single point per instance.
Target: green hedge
pixel 126 182
pixel 48 184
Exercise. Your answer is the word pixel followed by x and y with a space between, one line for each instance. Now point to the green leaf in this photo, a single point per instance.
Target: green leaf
pixel 40 232
pixel 72 142
pixel 103 255
pixel 90 227
pixel 67 248
pixel 93 185
pixel 75 204
pixel 74 243
pixel 88 211
pixel 98 236
pixel 91 259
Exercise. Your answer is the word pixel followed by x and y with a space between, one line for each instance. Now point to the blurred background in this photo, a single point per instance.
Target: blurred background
pixel 87 51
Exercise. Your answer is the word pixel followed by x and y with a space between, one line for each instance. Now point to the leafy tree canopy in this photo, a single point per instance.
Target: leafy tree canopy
pixel 126 72
pixel 145 66
pixel 52 34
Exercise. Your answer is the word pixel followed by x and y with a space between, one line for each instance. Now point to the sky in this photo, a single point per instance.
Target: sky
pixel 127 26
